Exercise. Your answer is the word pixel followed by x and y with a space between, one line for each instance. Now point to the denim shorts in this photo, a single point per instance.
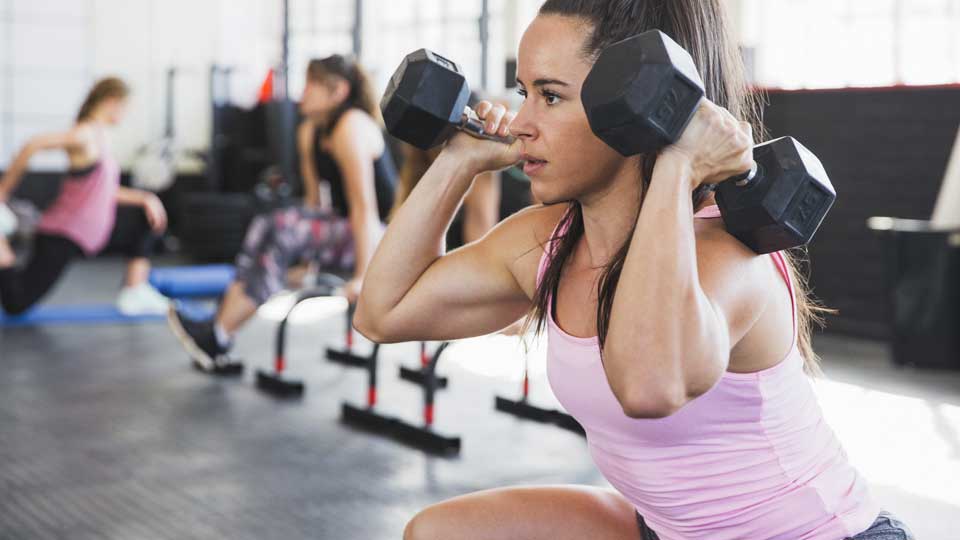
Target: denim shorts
pixel 886 527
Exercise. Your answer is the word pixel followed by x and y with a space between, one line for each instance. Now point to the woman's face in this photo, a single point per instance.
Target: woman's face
pixel 320 97
pixel 570 162
pixel 114 109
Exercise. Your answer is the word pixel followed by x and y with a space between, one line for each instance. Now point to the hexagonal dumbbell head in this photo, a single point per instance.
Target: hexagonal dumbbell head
pixel 424 100
pixel 784 204
pixel 641 93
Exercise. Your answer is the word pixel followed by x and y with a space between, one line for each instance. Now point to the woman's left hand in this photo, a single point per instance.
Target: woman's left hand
pixel 156 213
pixel 351 289
pixel 715 145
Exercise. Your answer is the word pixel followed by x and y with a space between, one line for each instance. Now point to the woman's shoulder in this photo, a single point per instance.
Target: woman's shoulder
pixel 354 119
pixel 538 220
pixel 519 241
pixel 718 249
pixel 357 127
pixel 731 273
pixel 85 132
pixel 527 232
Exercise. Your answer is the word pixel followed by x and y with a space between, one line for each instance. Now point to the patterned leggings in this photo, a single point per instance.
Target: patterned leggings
pixel 285 237
pixel 885 527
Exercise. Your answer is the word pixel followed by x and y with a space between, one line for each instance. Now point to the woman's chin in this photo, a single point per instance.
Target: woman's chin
pixel 548 197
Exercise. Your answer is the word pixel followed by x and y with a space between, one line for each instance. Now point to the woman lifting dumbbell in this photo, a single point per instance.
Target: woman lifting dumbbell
pixel 683 353
pixel 341 142
pixel 92 212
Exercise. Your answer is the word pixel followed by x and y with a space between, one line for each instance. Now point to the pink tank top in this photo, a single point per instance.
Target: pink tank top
pixel 86 207
pixel 751 459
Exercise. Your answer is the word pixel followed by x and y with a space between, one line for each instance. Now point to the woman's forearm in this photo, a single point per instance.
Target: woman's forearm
pixel 366 233
pixel 416 235
pixel 129 197
pixel 13 175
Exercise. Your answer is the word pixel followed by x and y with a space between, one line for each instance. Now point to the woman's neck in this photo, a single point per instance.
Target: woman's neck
pixel 96 119
pixel 609 217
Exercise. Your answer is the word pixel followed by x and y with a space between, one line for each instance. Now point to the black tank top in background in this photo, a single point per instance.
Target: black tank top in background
pixel 384 175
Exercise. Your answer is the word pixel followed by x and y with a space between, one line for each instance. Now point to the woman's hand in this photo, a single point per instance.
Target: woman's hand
pixel 716 146
pixel 156 214
pixel 351 290
pixel 483 155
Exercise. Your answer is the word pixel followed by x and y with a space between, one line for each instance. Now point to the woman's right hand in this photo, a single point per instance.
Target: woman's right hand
pixel 156 213
pixel 484 155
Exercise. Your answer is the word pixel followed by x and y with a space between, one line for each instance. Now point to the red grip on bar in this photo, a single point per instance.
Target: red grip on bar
pixel 526 385
pixel 428 415
pixel 371 397
pixel 349 338
pixel 279 364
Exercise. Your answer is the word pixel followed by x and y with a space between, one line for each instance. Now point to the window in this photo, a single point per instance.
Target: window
pixel 840 43
pixel 396 28
pixel 45 67
pixel 318 28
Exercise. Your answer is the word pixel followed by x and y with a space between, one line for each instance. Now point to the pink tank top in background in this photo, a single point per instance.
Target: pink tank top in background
pixel 86 207
pixel 751 459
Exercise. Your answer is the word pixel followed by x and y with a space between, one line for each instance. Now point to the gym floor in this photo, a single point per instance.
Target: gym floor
pixel 108 433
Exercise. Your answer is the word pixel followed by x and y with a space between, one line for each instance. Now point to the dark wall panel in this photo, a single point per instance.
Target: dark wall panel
pixel 886 151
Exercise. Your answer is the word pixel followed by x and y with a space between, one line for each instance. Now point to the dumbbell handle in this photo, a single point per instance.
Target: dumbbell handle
pixel 744 179
pixel 471 124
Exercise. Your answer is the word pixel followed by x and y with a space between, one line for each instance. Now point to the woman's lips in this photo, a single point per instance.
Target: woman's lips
pixel 533 167
pixel 532 164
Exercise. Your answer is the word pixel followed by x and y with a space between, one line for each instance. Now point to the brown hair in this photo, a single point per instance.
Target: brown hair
pixel 699 27
pixel 106 88
pixel 361 95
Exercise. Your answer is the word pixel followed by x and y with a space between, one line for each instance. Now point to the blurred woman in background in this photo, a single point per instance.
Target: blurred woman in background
pixel 92 212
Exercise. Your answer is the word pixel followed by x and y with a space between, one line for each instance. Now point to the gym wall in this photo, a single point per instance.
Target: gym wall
pixel 886 151
pixel 51 51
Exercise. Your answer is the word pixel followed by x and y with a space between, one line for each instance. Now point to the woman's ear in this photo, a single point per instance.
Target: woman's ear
pixel 341 90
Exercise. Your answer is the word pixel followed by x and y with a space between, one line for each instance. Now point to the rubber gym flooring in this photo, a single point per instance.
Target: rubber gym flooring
pixel 106 432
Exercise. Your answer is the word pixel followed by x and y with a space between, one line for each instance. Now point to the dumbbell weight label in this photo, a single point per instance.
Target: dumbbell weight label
pixel 676 97
pixel 449 64
pixel 806 210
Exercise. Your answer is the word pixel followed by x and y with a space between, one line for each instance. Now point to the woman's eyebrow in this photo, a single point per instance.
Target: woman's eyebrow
pixel 544 82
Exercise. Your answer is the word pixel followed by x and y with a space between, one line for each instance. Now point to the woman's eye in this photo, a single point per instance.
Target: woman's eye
pixel 552 99
pixel 522 93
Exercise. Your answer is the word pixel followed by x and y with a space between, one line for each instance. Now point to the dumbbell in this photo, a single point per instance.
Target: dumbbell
pixel 426 102
pixel 639 97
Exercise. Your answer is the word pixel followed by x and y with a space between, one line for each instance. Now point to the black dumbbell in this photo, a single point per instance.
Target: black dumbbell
pixel 639 97
pixel 426 101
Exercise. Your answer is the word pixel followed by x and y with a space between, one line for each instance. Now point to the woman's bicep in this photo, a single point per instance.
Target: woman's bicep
pixel 476 289
pixel 467 292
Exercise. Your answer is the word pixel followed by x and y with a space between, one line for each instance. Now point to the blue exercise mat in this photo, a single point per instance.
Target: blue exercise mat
pixel 73 314
pixel 45 315
pixel 205 281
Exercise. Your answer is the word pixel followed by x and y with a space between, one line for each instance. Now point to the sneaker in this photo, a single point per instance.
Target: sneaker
pixel 199 340
pixel 142 300
pixel 8 220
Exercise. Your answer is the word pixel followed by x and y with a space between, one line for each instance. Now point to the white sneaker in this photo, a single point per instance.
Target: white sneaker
pixel 142 300
pixel 8 220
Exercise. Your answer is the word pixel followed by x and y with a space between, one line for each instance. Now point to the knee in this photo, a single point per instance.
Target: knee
pixel 426 525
